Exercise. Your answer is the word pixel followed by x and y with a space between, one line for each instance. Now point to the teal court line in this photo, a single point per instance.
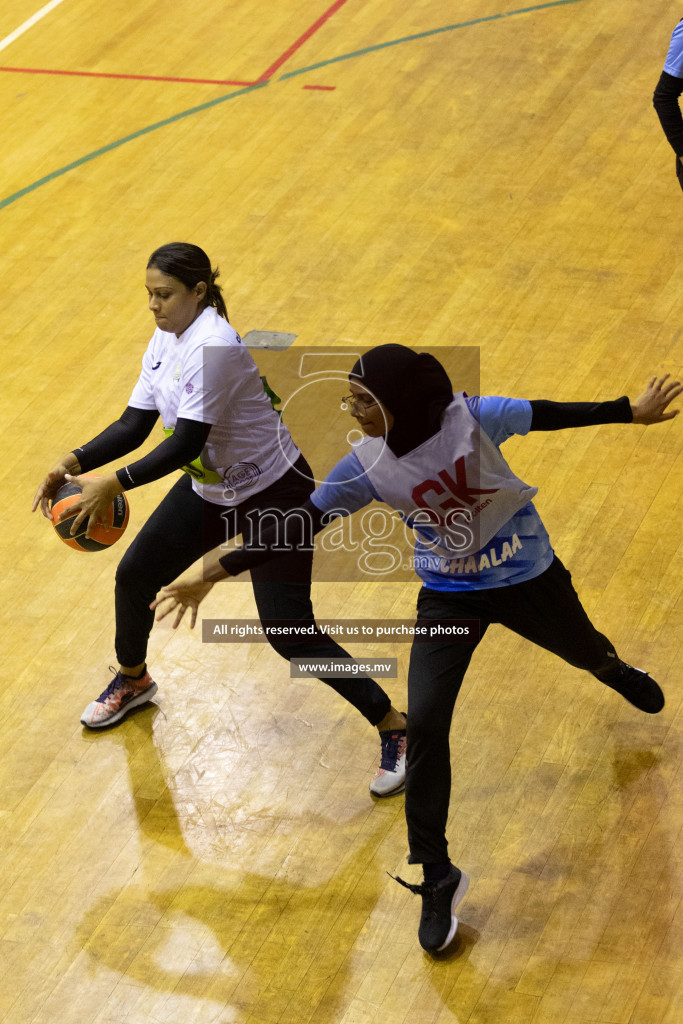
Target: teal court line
pixel 251 88
pixel 429 32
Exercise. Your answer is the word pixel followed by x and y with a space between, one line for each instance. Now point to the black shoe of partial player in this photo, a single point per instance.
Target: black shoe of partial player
pixel 638 688
pixel 438 923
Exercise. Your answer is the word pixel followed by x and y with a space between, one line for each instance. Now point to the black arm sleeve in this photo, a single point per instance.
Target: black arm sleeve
pixel 184 445
pixel 665 102
pixel 296 528
pixel 559 415
pixel 125 435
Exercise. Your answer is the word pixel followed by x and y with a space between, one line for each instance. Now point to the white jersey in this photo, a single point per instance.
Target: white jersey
pixel 456 489
pixel 207 374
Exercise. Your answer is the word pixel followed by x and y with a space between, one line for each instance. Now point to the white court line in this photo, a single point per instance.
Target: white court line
pixel 29 24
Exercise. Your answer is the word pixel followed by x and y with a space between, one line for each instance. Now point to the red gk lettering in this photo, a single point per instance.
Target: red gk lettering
pixel 463 492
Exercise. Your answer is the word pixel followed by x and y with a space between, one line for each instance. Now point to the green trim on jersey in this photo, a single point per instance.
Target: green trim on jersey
pixel 274 399
pixel 195 468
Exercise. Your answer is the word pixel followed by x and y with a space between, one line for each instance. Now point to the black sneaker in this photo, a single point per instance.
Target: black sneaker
pixel 438 923
pixel 638 688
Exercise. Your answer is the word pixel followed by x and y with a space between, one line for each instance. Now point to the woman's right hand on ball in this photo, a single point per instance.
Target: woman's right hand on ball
pixel 55 479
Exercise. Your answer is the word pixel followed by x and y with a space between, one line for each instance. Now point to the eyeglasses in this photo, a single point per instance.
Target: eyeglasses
pixel 358 401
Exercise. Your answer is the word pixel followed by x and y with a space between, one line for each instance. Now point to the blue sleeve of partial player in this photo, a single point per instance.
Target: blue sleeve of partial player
pixel 345 489
pixel 673 64
pixel 500 417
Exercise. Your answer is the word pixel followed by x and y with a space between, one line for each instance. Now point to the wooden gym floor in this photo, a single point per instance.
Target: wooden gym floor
pixel 438 174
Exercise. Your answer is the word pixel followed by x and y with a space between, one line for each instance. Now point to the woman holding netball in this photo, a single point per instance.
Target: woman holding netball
pixel 239 462
pixel 482 553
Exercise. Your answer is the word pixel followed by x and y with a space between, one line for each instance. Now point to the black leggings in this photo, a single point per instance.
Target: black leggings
pixel 182 529
pixel 545 610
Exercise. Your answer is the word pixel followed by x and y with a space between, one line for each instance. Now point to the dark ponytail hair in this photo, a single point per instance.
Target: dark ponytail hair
pixel 190 265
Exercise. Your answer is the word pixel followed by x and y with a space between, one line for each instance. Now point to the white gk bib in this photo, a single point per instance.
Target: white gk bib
pixel 456 489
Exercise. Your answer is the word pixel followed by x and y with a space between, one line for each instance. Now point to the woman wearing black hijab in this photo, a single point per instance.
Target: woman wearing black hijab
pixel 414 384
pixel 482 553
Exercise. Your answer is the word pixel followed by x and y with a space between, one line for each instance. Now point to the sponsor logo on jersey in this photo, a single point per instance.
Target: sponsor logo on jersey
pixel 242 474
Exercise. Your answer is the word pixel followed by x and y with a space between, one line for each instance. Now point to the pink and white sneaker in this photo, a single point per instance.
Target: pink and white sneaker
pixel 122 694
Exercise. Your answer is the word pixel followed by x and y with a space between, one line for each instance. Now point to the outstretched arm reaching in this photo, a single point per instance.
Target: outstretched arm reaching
pixel 189 591
pixel 650 407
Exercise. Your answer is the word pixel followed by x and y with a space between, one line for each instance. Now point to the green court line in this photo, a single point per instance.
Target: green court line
pixel 127 138
pixel 251 88
pixel 423 35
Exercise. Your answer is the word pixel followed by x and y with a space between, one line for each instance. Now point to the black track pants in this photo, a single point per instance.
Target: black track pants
pixel 545 610
pixel 182 529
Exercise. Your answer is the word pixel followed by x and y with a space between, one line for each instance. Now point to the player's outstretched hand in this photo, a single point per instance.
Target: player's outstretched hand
pixel 652 405
pixel 181 595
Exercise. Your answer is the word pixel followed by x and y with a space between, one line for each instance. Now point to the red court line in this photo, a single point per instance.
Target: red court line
pixel 200 81
pixel 300 41
pixel 111 74
pixel 322 88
